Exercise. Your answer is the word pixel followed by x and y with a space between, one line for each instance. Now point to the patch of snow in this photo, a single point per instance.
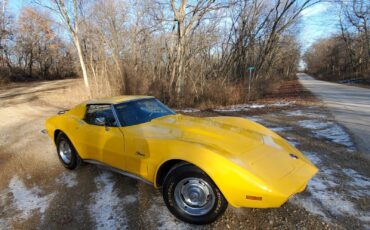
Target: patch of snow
pixel 323 198
pixel 336 134
pixel 163 218
pixel 229 110
pixel 68 179
pixel 257 106
pixel 3 224
pixel 254 118
pixel 328 130
pixel 280 129
pixel 27 200
pixel 314 124
pixel 293 141
pixel 294 113
pixel 108 209
pixel 281 104
pixel 309 204
pixel 300 113
pixel 312 157
pixel 188 110
pixel 246 107
pixel 233 108
pixel 128 199
pixel 360 183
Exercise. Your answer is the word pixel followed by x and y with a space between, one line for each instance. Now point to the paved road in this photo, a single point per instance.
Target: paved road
pixel 350 106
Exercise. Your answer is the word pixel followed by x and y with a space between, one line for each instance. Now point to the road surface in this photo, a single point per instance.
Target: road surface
pixel 350 106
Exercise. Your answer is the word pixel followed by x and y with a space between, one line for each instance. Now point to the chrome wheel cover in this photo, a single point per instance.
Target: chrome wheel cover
pixel 194 196
pixel 65 151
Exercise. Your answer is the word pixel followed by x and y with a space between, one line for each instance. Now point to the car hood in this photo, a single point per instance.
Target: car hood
pixel 209 131
pixel 244 142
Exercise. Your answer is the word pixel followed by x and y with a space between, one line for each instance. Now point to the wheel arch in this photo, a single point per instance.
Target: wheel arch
pixel 56 133
pixel 165 168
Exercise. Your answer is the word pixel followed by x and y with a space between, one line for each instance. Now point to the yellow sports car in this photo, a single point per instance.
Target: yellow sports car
pixel 200 164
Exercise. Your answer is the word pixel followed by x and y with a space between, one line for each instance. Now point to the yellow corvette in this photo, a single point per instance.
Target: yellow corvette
pixel 200 164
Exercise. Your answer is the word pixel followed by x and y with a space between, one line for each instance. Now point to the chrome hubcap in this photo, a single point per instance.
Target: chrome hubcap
pixel 65 151
pixel 194 196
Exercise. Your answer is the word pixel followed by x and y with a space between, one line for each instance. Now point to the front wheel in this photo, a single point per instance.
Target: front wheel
pixel 192 196
pixel 66 152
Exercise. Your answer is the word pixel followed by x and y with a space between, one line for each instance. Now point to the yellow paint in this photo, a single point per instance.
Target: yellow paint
pixel 242 157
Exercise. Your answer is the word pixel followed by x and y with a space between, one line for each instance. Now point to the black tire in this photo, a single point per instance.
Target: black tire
pixel 181 174
pixel 74 161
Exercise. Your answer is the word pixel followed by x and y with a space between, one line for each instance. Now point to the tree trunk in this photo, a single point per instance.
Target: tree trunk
pixel 180 61
pixel 30 64
pixel 82 63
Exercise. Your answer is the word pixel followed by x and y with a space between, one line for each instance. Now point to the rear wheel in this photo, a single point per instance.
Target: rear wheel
pixel 192 196
pixel 66 152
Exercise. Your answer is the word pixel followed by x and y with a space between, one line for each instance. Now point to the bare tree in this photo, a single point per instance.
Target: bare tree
pixel 184 52
pixel 69 12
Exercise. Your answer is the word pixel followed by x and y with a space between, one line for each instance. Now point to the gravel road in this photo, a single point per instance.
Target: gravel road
pixel 36 192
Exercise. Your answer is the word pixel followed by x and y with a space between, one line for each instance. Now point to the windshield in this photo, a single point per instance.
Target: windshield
pixel 141 111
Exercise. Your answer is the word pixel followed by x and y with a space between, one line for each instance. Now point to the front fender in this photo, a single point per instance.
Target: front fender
pixel 234 182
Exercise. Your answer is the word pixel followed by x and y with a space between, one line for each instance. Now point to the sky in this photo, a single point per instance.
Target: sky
pixel 318 21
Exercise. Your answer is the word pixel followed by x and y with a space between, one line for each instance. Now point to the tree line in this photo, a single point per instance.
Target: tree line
pixel 184 52
pixel 345 55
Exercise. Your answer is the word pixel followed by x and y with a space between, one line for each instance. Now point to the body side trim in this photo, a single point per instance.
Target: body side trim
pixel 120 171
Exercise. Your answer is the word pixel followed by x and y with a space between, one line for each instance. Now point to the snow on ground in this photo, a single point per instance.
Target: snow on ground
pixel 300 113
pixel 314 124
pixel 282 104
pixel 293 141
pixel 280 129
pixel 188 110
pixel 238 107
pixel 246 107
pixel 326 199
pixel 257 106
pixel 312 157
pixel 3 224
pixel 69 179
pixel 328 130
pixel 254 118
pixel 360 183
pixel 107 208
pixel 233 108
pixel 164 219
pixel 28 200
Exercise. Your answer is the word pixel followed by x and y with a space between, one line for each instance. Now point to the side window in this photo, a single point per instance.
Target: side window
pixel 100 111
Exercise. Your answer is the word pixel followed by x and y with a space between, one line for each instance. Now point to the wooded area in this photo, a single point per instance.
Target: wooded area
pixel 345 55
pixel 184 52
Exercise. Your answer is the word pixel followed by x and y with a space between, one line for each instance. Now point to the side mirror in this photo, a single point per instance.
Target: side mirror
pixel 100 121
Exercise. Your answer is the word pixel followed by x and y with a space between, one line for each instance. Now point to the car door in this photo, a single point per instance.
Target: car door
pixel 102 138
pixel 137 152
